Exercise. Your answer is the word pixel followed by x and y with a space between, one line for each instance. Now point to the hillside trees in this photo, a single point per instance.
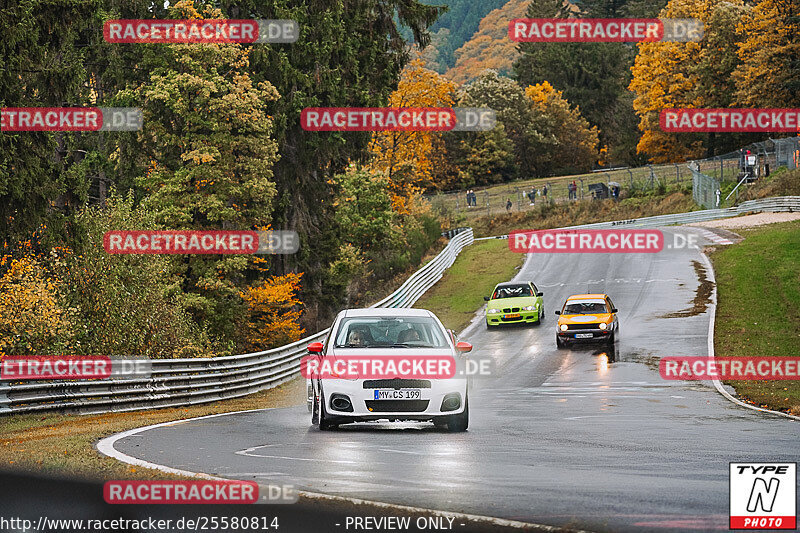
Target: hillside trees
pixel 43 65
pixel 769 49
pixel 490 47
pixel 350 53
pixel 460 22
pixel 694 74
pixel 592 76
pixel 575 146
pixel 408 158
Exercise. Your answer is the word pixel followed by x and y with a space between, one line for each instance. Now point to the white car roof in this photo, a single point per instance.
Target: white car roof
pixel 386 312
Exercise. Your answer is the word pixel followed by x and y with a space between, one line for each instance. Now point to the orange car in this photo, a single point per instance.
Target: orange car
pixel 587 317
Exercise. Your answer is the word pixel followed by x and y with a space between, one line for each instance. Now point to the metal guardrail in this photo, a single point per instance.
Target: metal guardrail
pixel 181 382
pixel 777 204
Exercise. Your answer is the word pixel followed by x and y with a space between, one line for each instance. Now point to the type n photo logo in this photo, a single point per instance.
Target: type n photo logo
pixel 763 496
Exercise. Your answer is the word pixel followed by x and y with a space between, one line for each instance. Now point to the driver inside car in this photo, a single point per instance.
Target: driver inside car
pixel 408 335
pixel 356 338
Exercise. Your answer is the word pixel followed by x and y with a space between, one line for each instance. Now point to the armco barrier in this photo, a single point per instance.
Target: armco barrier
pixel 777 204
pixel 180 382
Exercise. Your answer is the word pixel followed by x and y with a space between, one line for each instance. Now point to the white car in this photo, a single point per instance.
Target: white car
pixel 378 333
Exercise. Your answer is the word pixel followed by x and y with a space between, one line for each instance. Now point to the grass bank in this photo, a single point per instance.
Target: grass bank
pixel 758 313
pixel 476 271
pixel 552 215
pixel 63 445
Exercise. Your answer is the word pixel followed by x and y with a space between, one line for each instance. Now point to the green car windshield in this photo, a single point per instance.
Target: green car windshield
pixel 512 291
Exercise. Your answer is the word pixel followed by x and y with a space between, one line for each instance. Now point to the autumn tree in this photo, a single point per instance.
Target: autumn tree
pixel 513 110
pixel 273 312
pixel 349 54
pixel 770 53
pixel 692 74
pixel 34 319
pixel 408 157
pixel 575 146
pixel 479 158
pixel 592 76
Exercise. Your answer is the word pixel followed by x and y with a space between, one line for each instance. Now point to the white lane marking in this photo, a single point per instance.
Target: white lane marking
pixel 614 280
pixel 106 447
pixel 599 383
pixel 258 474
pixel 606 416
pixel 712 317
pixel 309 459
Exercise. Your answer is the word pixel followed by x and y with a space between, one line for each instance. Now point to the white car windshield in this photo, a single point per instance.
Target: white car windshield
pixel 386 332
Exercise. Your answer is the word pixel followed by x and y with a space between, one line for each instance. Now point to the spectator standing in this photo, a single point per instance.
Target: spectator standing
pixel 469 198
pixel 509 205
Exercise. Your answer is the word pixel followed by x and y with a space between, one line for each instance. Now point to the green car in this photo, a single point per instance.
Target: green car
pixel 514 303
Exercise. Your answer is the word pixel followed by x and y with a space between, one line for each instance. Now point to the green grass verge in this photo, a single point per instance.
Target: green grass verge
pixel 547 216
pixel 758 312
pixel 63 445
pixel 476 271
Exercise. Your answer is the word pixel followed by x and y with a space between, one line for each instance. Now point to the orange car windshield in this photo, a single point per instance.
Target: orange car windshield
pixel 584 307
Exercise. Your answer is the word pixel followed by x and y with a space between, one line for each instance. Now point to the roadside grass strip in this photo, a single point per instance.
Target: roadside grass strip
pixel 474 274
pixel 758 308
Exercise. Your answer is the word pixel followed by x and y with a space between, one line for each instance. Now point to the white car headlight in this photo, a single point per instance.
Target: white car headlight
pixel 603 325
pixel 563 327
pixel 529 308
pixel 493 311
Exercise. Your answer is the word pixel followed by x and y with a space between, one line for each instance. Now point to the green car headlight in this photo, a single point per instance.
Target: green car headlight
pixel 493 311
pixel 529 308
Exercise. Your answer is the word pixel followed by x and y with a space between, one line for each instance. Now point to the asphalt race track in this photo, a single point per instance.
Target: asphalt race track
pixel 578 437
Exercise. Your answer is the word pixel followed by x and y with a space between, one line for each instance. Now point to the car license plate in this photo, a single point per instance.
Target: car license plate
pixel 512 315
pixel 397 394
pixel 583 335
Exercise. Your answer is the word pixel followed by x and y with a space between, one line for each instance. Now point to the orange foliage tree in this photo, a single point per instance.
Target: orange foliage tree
pixel 685 75
pixel 411 159
pixel 33 320
pixel 770 54
pixel 575 146
pixel 273 309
